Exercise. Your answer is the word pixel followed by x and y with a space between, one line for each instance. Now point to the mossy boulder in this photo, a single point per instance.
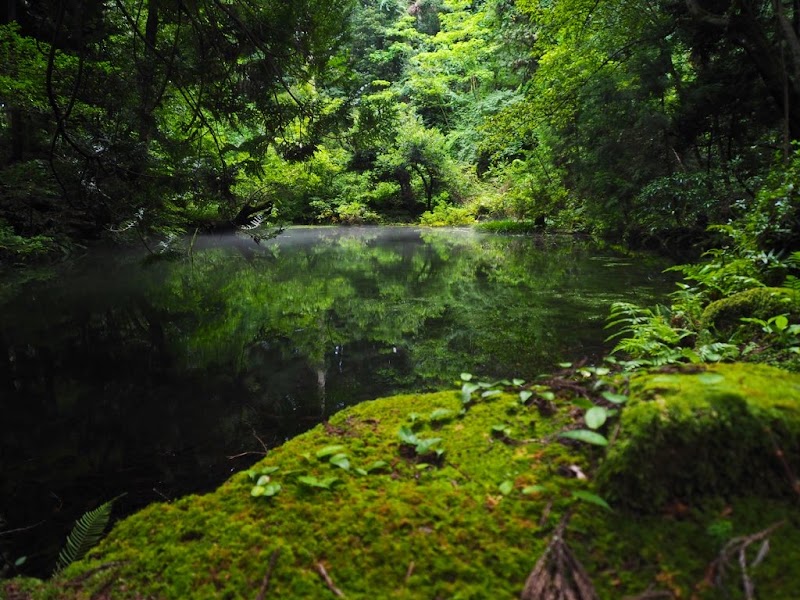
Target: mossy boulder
pixel 709 432
pixel 383 518
pixel 760 303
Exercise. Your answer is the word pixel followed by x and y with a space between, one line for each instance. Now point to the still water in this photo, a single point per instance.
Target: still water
pixel 119 374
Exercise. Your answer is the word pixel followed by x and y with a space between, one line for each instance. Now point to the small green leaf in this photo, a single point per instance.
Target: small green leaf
pixel 20 561
pixel 533 489
pixel 340 460
pixel 413 417
pixel 490 393
pixel 361 471
pixel 441 414
pixel 328 450
pixel 615 398
pixel 518 382
pixel 601 371
pixel 377 465
pixel 565 365
pixel 781 322
pixel 466 376
pixel 525 395
pixel 584 435
pixel 407 436
pixel 591 498
pixel 422 466
pixel 595 417
pixel 547 396
pixel 311 481
pixel 506 487
pixel 258 490
pixel 583 403
pixel 271 489
pixel 263 480
pixel 425 446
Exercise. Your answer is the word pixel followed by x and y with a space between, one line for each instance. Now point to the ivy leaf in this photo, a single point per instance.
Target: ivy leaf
pixel 518 382
pixel 525 395
pixel 595 417
pixel 584 435
pixel 591 498
pixel 466 376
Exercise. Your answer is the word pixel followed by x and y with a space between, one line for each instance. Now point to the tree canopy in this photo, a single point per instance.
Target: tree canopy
pixel 644 121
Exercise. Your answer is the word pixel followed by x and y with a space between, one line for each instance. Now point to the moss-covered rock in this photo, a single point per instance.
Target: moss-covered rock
pixel 760 303
pixel 470 523
pixel 710 432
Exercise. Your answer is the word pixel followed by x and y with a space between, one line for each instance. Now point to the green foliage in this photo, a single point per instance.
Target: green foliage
pixel 85 534
pixel 444 215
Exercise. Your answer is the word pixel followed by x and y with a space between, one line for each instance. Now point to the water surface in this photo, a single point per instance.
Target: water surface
pixel 123 375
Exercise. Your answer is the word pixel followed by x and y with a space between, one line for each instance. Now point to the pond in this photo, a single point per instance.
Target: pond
pixel 160 378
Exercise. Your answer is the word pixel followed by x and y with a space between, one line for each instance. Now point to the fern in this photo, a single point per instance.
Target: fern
pixel 86 532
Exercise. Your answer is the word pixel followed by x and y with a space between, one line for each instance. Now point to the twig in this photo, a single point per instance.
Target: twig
pixel 260 441
pixel 794 482
pixel 410 571
pixel 19 529
pixel 262 593
pixel 738 547
pixel 328 581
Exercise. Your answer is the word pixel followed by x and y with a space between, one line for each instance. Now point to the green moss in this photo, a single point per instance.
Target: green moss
pixel 416 531
pixel 708 433
pixel 760 303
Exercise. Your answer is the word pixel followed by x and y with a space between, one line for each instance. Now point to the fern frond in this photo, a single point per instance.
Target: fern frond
pixel 86 532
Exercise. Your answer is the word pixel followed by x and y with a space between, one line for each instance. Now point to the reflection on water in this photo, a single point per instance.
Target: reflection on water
pixel 120 376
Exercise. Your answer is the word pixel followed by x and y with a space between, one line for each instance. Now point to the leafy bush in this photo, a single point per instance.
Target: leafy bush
pixel 446 215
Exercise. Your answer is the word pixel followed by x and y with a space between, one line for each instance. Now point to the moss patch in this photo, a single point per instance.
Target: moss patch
pixel 470 523
pixel 711 432
pixel 761 303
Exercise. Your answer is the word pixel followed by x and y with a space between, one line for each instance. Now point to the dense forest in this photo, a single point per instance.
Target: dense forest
pixel 644 122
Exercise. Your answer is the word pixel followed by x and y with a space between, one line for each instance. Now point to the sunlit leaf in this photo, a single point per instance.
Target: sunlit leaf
pixel 584 435
pixel 506 487
pixel 490 393
pixel 525 395
pixel 377 465
pixel 263 480
pixel 466 376
pixel 518 382
pixel 533 489
pixel 595 417
pixel 565 365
